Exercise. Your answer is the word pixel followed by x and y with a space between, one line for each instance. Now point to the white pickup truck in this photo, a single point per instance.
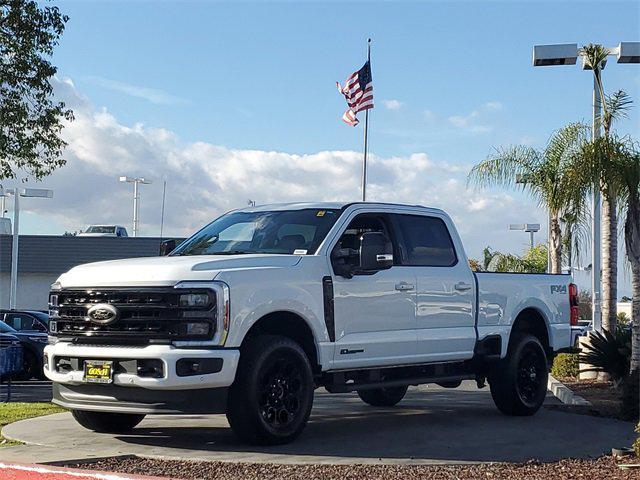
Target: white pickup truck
pixel 264 305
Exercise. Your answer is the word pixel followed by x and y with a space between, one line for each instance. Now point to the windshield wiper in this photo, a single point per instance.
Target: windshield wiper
pixel 232 252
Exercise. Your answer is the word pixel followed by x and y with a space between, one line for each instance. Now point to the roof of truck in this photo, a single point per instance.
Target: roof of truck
pixel 320 205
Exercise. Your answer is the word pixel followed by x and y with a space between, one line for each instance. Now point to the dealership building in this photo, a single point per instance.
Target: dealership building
pixel 42 258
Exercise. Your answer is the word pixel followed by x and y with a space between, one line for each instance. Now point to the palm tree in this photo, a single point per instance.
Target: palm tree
pixel 613 107
pixel 628 176
pixel 543 174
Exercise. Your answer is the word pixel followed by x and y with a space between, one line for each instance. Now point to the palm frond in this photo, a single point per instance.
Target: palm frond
pixel 505 167
pixel 608 352
pixel 595 56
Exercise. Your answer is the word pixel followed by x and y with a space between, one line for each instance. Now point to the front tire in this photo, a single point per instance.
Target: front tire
pixel 383 397
pixel 518 383
pixel 107 422
pixel 270 400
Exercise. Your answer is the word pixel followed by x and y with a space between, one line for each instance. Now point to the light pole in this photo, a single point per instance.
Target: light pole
pixel 567 54
pixel 136 196
pixel 530 228
pixel 17 193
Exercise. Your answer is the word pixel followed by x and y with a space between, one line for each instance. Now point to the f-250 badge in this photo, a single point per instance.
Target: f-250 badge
pixel 558 289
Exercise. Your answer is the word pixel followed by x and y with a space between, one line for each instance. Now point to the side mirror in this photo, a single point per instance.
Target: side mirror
pixel 167 246
pixel 376 252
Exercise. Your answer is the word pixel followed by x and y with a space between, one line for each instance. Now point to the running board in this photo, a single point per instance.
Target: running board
pixel 401 382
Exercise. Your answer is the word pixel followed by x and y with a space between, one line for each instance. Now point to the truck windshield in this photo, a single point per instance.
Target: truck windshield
pixel 275 232
pixel 100 229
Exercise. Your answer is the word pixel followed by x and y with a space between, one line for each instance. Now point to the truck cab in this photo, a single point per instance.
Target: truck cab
pixel 262 306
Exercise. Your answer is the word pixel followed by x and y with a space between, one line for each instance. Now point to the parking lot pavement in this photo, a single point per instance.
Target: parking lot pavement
pixel 431 425
pixel 31 391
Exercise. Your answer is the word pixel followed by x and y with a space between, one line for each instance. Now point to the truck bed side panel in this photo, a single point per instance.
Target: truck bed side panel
pixel 502 296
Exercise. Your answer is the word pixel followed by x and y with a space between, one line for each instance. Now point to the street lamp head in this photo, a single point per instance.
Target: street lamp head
pixel 36 192
pixel 629 52
pixel 552 55
pixel 526 227
pixel 141 180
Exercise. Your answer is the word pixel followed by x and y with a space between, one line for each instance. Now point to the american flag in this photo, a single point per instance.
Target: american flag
pixel 358 91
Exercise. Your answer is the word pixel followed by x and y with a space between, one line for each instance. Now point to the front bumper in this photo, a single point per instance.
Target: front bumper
pixel 167 354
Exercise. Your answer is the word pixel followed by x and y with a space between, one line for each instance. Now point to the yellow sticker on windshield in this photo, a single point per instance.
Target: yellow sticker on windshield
pixel 320 213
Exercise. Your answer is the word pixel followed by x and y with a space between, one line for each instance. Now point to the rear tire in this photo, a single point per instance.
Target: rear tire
pixel 518 383
pixel 270 400
pixel 383 397
pixel 107 422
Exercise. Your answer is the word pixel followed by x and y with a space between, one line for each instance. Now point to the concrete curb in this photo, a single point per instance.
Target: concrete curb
pixel 564 393
pixel 21 471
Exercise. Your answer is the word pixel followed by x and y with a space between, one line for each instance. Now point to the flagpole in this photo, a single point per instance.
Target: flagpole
pixel 366 135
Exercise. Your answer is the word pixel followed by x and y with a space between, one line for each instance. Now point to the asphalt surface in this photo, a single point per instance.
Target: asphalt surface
pixel 30 391
pixel 431 425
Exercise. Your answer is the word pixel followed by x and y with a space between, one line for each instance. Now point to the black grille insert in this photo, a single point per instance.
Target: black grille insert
pixel 144 315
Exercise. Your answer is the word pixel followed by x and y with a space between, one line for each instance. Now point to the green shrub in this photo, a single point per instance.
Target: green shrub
pixel 609 353
pixel 566 365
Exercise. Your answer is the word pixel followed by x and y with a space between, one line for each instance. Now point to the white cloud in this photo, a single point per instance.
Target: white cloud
pixel 205 180
pixel 393 104
pixel 470 122
pixel 152 95
pixel 495 105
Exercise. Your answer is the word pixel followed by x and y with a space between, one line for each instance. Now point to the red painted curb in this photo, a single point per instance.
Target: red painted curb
pixel 18 471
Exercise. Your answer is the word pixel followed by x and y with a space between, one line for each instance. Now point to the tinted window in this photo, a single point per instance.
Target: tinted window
pixel 22 322
pixel 346 251
pixel 426 241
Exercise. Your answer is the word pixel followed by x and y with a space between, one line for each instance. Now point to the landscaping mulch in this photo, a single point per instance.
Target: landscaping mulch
pixel 594 469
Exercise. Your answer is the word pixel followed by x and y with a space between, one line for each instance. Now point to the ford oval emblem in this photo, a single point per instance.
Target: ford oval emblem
pixel 102 313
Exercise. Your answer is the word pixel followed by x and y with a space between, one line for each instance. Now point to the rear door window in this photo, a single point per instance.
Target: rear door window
pixel 21 322
pixel 425 241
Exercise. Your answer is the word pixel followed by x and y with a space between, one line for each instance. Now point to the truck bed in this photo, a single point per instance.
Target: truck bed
pixel 504 296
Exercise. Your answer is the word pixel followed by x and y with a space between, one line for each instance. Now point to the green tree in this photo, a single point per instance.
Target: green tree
pixel 534 260
pixel 602 161
pixel 30 119
pixel 543 174
pixel 627 174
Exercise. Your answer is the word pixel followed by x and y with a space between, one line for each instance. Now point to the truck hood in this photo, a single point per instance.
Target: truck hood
pixel 160 271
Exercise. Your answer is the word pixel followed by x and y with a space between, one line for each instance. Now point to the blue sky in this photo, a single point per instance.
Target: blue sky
pixel 195 81
pixel 261 75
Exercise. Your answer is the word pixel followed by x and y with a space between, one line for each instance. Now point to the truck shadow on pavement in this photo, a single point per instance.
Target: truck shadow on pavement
pixel 439 425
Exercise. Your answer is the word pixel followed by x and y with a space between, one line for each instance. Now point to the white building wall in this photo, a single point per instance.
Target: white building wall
pixel 624 307
pixel 33 290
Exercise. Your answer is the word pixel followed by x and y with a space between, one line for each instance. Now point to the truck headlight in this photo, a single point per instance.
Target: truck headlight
pixel 194 300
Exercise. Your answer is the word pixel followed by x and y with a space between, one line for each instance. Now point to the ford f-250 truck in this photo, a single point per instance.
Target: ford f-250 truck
pixel 264 305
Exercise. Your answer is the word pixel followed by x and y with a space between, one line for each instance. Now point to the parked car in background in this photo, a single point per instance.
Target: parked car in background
pixel 10 356
pixel 33 343
pixel 26 320
pixel 104 231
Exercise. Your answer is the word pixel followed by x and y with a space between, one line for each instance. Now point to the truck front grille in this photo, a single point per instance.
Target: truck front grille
pixel 143 315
